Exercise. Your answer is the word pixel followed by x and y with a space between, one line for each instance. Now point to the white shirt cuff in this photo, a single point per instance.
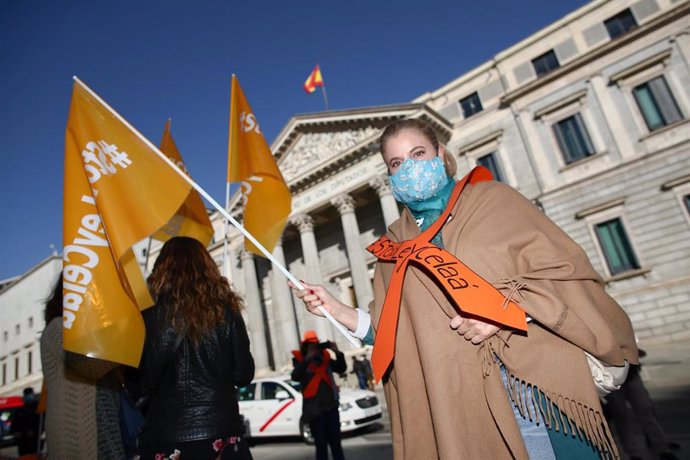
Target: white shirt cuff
pixel 363 324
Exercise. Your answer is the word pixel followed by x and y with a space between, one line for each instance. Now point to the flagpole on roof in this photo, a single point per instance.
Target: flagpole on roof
pixel 323 89
pixel 219 208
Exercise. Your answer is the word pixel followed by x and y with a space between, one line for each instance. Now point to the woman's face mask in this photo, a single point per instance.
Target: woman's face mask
pixel 415 166
pixel 418 180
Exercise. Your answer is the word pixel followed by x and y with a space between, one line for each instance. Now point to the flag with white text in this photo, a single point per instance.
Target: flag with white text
pixel 265 195
pixel 117 192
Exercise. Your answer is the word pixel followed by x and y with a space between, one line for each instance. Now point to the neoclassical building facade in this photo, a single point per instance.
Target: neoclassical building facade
pixel 588 118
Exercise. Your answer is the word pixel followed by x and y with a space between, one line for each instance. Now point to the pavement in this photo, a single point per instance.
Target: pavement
pixel 665 371
pixel 666 374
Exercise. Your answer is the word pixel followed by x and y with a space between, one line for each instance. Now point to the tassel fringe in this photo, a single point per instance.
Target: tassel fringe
pixel 575 419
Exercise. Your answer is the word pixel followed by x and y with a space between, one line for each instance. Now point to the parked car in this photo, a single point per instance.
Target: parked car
pixel 8 406
pixel 273 407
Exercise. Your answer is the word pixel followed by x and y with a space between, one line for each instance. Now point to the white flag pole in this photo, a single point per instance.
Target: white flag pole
pixel 225 235
pixel 221 210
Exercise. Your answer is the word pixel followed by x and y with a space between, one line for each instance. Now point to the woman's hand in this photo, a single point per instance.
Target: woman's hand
pixel 473 330
pixel 315 296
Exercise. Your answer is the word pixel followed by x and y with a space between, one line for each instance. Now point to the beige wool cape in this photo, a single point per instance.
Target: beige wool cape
pixel 445 395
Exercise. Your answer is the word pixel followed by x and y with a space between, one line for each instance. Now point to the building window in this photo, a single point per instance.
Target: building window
pixel 620 24
pixel 31 361
pixel 656 103
pixel 471 105
pixel 269 390
pixel 31 322
pixel 545 63
pixel 5 336
pixel 491 163
pixel 616 246
pixel 247 393
pixel 17 329
pixel 573 139
pixel 686 200
pixel 16 368
pixel 4 373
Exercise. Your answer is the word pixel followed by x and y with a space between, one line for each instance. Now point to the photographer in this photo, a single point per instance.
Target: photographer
pixel 314 368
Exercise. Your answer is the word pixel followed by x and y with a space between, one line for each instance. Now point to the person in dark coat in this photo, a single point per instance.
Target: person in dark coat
pixel 196 355
pixel 25 423
pixel 361 367
pixel 313 368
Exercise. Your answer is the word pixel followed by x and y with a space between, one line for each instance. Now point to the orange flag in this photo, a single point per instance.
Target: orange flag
pixel 117 191
pixel 313 80
pixel 265 195
pixel 191 219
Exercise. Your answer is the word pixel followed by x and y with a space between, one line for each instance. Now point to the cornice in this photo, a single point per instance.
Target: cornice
pixel 660 21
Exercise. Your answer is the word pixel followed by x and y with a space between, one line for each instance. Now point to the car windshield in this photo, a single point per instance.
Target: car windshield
pixel 294 384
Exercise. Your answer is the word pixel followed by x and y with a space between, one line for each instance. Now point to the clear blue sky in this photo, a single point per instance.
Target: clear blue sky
pixel 153 59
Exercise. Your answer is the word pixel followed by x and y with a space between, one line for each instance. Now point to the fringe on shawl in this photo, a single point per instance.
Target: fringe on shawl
pixel 575 419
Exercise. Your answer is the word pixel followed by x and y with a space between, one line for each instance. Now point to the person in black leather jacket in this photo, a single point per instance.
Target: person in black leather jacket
pixel 196 355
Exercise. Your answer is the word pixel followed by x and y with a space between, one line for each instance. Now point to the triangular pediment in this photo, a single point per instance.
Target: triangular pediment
pixel 313 145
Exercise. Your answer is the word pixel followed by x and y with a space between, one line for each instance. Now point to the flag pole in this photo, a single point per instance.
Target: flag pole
pixel 226 271
pixel 225 236
pixel 323 89
pixel 220 209
pixel 325 96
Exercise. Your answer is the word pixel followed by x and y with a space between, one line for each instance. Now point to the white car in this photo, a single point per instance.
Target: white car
pixel 273 407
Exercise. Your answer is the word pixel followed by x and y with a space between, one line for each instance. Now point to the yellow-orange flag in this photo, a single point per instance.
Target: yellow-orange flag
pixel 266 197
pixel 191 219
pixel 117 191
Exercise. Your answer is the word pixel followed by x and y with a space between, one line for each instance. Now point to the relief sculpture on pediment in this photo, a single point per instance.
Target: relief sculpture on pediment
pixel 313 149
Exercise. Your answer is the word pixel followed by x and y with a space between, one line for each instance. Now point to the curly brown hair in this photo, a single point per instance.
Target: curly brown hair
pixel 186 280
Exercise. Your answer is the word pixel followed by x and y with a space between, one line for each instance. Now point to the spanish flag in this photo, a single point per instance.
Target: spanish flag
pixel 313 80
pixel 117 192
pixel 265 195
pixel 191 219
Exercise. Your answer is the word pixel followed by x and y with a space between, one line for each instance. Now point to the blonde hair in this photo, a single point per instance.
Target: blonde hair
pixel 425 130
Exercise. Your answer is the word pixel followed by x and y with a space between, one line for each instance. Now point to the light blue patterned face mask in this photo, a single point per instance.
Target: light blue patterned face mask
pixel 418 180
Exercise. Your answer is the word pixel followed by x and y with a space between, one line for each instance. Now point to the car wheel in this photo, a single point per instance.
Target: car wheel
pixel 305 432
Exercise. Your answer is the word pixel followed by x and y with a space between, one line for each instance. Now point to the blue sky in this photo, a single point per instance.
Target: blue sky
pixel 152 60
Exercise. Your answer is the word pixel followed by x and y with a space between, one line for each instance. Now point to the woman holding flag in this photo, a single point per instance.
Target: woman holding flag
pixel 466 373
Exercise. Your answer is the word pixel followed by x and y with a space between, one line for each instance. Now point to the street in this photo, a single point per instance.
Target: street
pixel 371 444
pixel 665 371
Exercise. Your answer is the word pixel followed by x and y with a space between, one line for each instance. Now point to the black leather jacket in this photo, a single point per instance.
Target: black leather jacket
pixel 192 390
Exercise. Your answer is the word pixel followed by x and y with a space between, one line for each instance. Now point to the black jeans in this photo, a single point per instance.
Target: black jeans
pixel 326 431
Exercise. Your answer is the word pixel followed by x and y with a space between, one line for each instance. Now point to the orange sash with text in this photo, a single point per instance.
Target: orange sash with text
pixel 470 293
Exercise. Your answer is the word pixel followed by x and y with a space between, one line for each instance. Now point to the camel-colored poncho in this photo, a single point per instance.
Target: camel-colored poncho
pixel 444 394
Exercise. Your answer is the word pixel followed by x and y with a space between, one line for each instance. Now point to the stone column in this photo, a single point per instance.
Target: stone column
pixel 231 267
pixel 355 250
pixel 310 252
pixel 283 310
pixel 388 204
pixel 252 301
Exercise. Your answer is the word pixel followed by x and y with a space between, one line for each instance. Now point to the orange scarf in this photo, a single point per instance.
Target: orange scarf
pixel 471 294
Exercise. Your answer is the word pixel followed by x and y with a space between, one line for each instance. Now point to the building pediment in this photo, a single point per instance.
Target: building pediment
pixel 312 147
